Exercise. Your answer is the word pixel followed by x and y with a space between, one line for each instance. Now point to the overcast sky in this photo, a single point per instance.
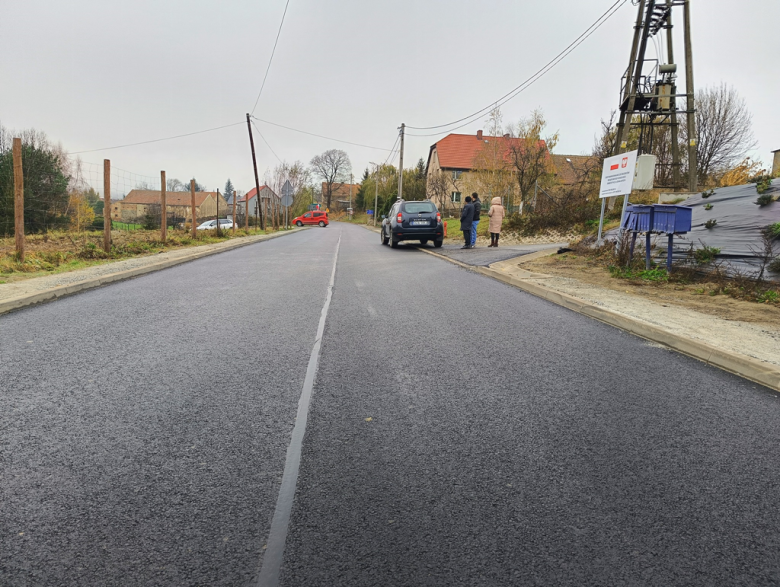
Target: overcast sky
pixel 100 73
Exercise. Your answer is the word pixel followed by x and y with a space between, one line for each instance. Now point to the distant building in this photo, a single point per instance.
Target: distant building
pixel 139 202
pixel 341 194
pixel 451 163
pixel 249 201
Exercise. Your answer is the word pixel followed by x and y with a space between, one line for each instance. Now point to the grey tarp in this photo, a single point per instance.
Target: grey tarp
pixel 738 230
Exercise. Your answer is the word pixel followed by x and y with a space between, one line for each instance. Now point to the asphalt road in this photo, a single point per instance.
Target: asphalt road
pixel 461 432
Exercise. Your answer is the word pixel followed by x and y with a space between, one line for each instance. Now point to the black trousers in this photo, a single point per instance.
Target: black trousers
pixel 467 237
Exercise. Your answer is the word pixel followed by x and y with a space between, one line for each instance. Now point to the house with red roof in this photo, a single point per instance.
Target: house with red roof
pixel 250 202
pixel 453 159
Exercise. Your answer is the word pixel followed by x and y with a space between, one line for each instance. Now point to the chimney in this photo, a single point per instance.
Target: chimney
pixel 479 137
pixel 776 164
pixel 506 136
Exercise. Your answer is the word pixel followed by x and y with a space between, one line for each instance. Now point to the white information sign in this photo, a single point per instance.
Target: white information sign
pixel 617 178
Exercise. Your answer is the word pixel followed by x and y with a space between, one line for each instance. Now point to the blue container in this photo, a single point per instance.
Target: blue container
pixel 671 219
pixel 638 218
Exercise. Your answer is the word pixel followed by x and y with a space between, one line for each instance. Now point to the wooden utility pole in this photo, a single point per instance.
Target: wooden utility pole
pixel 192 193
pixel 18 199
pixel 246 213
pixel 693 167
pixel 234 212
pixel 106 205
pixel 219 230
pixel 401 166
pixel 163 209
pixel 257 179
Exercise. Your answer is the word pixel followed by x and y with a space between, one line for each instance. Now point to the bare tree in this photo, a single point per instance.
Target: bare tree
pixel 491 169
pixel 298 176
pixel 334 167
pixel 530 154
pixel 724 134
pixel 174 185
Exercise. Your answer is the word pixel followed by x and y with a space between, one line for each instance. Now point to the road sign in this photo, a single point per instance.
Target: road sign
pixel 287 189
pixel 617 177
pixel 370 212
pixel 287 201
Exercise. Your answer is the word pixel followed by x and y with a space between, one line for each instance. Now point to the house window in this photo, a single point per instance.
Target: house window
pixel 456 197
pixel 456 175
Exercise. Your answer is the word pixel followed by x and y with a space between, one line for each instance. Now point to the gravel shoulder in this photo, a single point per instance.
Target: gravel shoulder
pixel 744 327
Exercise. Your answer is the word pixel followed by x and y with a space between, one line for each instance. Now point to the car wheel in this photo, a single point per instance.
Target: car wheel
pixel 322 224
pixel 424 241
pixel 394 243
pixel 438 243
pixel 299 224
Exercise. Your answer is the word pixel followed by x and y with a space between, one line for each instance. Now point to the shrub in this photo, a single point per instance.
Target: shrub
pixel 763 183
pixel 706 194
pixel 705 254
pixel 708 206
pixel 774 230
pixel 710 223
pixel 764 199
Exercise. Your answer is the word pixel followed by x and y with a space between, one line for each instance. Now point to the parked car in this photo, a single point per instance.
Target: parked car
pixel 224 224
pixel 312 217
pixel 412 221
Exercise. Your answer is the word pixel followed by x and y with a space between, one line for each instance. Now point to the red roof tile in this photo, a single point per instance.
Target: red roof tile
pixel 458 151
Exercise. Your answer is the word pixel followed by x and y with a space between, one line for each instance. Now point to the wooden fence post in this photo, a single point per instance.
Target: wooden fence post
pixel 246 213
pixel 234 212
pixel 192 191
pixel 106 205
pixel 163 208
pixel 18 199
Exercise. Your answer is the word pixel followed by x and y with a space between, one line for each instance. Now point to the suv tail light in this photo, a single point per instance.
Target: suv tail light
pixel 400 218
pixel 438 217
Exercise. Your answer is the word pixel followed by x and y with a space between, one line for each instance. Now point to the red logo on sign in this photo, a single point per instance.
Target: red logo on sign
pixel 625 162
pixel 615 166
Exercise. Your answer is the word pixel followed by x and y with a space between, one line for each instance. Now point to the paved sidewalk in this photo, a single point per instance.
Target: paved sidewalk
pixel 484 256
pixel 39 289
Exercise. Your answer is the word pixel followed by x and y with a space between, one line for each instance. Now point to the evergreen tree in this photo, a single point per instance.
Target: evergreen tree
pixel 229 190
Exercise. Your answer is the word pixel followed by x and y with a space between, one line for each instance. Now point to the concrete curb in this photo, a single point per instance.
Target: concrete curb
pixel 742 365
pixel 54 293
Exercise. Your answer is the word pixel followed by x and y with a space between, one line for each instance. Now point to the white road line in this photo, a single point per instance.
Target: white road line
pixel 274 553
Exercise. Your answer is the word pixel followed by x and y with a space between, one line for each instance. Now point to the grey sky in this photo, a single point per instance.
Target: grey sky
pixel 99 73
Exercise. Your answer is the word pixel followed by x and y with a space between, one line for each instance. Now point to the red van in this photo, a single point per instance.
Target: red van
pixel 312 217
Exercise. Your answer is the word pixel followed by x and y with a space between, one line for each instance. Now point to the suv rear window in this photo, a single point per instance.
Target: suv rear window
pixel 418 207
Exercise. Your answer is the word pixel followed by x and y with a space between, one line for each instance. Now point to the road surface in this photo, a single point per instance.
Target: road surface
pixel 460 432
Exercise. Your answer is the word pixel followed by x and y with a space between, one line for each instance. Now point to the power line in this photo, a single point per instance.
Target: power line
pixel 271 59
pixel 392 151
pixel 319 136
pixel 536 76
pixel 158 140
pixel 266 142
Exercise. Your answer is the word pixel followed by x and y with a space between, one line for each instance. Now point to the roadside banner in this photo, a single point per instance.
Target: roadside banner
pixel 617 177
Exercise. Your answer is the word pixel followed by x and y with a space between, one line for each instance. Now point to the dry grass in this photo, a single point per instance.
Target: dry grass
pixel 57 252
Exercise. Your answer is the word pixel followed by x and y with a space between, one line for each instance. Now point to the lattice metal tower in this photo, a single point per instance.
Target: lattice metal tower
pixel 649 96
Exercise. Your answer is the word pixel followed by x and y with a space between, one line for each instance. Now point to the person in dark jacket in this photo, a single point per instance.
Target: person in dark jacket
pixel 475 223
pixel 467 222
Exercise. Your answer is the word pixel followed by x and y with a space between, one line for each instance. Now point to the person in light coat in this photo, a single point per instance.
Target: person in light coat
pixel 496 215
